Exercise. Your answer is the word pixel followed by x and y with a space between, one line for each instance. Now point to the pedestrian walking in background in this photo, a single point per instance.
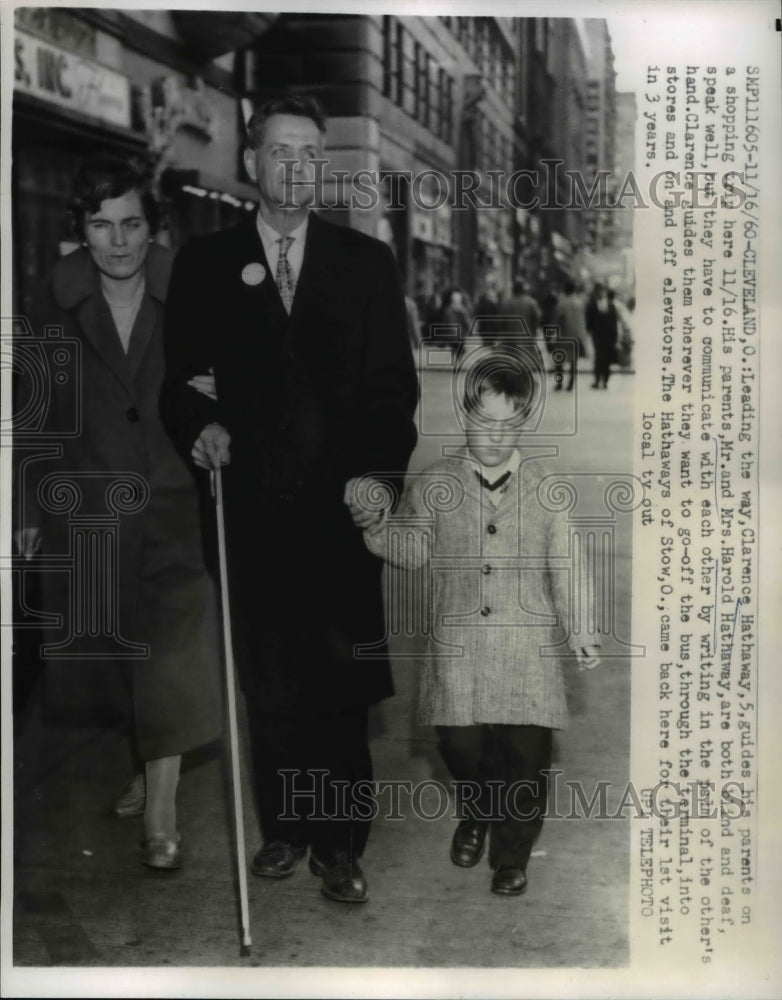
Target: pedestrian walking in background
pixel 487 685
pixel 625 342
pixel 523 321
pixel 487 312
pixel 430 307
pixel 524 306
pixel 603 326
pixel 568 317
pixel 108 297
pixel 455 315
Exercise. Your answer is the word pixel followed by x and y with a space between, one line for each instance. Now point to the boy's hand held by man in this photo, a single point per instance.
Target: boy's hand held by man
pixel 368 501
pixel 588 657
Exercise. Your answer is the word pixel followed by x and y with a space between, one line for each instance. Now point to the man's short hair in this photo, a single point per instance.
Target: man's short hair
pixel 503 373
pixel 519 286
pixel 302 105
pixel 106 176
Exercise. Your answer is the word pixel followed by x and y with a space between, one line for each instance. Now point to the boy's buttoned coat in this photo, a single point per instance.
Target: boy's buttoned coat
pixel 499 583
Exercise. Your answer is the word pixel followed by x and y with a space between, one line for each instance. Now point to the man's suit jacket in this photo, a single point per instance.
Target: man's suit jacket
pixel 310 400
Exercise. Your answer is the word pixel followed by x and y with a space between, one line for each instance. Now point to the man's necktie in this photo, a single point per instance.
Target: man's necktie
pixel 497 482
pixel 286 283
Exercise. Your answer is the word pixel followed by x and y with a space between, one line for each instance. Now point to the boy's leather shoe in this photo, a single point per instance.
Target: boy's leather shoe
pixel 468 843
pixel 509 881
pixel 277 859
pixel 342 877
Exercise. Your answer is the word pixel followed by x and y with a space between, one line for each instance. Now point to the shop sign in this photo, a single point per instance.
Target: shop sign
pixel 422 225
pixel 59 77
pixel 443 233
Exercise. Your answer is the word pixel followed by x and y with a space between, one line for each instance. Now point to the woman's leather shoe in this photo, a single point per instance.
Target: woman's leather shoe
pixel 342 877
pixel 133 800
pixel 162 852
pixel 468 843
pixel 509 881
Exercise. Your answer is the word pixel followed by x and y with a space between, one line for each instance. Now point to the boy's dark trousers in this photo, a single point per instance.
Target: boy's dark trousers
pixel 504 765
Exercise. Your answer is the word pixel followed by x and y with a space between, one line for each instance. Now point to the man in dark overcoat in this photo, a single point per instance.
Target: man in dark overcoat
pixel 304 326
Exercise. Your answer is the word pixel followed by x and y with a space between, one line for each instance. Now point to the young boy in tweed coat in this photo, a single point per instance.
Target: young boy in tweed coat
pixel 491 680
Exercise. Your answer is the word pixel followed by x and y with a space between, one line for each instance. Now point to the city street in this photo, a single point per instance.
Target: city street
pixel 82 898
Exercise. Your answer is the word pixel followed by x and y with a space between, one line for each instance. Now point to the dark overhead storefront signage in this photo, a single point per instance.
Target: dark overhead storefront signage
pixel 59 77
pixel 59 27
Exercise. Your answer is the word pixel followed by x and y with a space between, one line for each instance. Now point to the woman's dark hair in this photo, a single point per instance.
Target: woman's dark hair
pixel 302 105
pixel 106 176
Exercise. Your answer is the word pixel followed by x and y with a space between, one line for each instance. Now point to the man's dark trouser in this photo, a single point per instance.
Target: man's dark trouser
pixel 303 806
pixel 604 355
pixel 506 755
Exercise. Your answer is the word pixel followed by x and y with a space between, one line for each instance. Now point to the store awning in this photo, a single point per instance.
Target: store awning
pixel 213 33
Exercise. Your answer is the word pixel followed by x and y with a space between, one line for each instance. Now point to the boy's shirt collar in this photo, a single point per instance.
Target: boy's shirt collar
pixel 493 473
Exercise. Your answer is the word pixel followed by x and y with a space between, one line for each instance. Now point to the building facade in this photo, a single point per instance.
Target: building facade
pixel 429 118
pixel 412 101
pixel 133 82
pixel 624 165
pixel 600 127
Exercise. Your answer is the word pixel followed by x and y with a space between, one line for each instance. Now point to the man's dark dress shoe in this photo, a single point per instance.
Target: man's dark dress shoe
pixel 509 881
pixel 343 879
pixel 468 843
pixel 277 859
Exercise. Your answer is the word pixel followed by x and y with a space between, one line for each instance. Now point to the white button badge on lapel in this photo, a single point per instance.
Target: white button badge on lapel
pixel 253 274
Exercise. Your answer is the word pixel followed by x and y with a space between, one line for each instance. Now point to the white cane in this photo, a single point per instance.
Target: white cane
pixel 217 492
